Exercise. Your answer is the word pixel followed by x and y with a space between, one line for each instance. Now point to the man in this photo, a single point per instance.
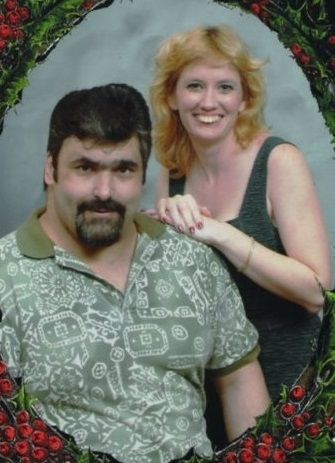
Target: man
pixel 111 317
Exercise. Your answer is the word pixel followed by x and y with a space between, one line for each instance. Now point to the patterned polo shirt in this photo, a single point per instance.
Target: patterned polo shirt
pixel 122 372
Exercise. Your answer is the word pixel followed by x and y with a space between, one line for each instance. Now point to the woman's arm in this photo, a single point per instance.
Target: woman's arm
pixel 295 209
pixel 243 396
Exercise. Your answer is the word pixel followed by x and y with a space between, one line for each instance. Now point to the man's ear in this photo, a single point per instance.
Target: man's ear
pixel 49 171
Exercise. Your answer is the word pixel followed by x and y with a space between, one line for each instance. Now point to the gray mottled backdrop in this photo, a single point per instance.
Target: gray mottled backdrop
pixel 117 44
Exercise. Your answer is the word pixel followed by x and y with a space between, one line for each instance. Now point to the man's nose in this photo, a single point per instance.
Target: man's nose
pixel 103 185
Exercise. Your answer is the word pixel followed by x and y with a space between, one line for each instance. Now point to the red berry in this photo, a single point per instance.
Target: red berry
pixel 306 416
pixel 22 448
pixel 22 417
pixel 313 430
pixel 88 5
pixel 328 421
pixel 296 49
pixel 279 456
pixel 5 32
pixel 248 443
pixel 246 456
pixel 6 387
pixel 18 34
pixel 40 438
pixel 264 15
pixel 4 418
pixel 289 443
pixel 5 449
pixel 24 13
pixel 55 444
pixel 13 18
pixel 255 8
pixel 304 59
pixel 266 438
pixel 297 393
pixel 26 460
pixel 40 454
pixel 11 4
pixel 298 422
pixel 9 433
pixel 331 40
pixel 39 424
pixel 230 457
pixel 288 410
pixel 263 452
pixel 24 430
pixel 3 365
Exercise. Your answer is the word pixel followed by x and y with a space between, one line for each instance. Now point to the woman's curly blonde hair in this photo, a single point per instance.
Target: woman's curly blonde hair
pixel 172 144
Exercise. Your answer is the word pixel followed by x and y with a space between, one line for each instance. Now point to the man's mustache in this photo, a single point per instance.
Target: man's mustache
pixel 97 205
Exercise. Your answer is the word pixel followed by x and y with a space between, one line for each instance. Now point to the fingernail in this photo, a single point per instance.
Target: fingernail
pixel 200 225
pixel 192 230
pixel 180 228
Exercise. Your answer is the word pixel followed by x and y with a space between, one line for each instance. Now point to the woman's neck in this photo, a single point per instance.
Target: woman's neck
pixel 211 159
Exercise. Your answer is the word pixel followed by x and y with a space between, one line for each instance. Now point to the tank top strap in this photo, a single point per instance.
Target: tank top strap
pixel 256 188
pixel 176 186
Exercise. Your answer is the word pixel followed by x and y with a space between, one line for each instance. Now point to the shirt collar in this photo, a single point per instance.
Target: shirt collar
pixel 34 242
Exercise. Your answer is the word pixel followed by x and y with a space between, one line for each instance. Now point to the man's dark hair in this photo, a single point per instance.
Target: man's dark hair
pixel 111 113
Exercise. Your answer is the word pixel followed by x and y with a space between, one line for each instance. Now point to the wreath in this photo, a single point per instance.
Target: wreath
pixel 300 427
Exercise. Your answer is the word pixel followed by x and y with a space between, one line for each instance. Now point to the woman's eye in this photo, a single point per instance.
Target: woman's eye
pixel 194 86
pixel 226 88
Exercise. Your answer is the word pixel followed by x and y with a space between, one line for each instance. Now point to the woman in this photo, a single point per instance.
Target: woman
pixel 231 184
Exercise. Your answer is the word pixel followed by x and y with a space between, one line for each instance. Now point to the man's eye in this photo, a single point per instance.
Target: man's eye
pixel 84 168
pixel 124 170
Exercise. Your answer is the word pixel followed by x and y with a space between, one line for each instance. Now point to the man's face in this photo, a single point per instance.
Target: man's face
pixel 96 190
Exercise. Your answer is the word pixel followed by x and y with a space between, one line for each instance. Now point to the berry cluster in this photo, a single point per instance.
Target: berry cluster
pixel 24 437
pixel 252 450
pixel 296 425
pixel 12 18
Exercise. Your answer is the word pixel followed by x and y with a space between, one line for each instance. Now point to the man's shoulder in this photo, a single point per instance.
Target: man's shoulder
pixel 8 246
pixel 10 237
pixel 188 246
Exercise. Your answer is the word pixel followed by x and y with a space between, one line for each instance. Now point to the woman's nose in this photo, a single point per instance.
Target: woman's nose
pixel 209 99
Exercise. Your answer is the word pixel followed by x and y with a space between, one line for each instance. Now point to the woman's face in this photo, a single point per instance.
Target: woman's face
pixel 208 97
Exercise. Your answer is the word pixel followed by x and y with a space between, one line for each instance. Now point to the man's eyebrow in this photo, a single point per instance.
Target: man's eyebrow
pixel 125 163
pixel 114 163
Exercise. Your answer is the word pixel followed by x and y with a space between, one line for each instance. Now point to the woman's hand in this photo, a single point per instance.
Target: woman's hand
pixel 183 213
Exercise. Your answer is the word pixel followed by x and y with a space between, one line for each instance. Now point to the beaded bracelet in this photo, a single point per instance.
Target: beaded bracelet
pixel 247 262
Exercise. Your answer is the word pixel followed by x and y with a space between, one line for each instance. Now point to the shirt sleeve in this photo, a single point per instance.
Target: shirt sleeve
pixel 235 337
pixel 10 330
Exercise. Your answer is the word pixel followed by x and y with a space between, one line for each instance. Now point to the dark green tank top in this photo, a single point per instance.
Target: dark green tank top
pixel 263 308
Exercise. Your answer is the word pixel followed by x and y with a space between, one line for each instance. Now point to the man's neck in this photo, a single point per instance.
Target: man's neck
pixel 111 263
